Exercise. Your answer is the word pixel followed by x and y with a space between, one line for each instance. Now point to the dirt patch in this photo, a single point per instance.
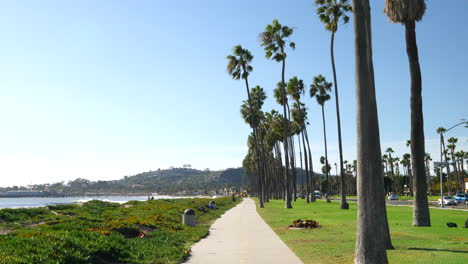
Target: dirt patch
pixel 304 224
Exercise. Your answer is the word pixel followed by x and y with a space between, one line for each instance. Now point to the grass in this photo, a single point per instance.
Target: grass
pixel 103 232
pixel 334 241
pixel 401 197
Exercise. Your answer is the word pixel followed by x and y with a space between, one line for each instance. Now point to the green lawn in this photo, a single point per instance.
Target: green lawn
pixel 334 241
pixel 401 197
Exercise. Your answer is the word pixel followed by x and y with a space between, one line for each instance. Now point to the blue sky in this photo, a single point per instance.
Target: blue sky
pixel 104 89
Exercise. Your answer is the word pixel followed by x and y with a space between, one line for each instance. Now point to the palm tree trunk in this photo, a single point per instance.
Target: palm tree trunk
pixel 455 171
pixel 311 167
pixel 285 142
pixel 293 167
pixel 449 182
pixel 344 204
pixel 306 164
pixel 326 155
pixel 428 172
pixel 393 173
pixel 300 160
pixel 421 216
pixel 370 247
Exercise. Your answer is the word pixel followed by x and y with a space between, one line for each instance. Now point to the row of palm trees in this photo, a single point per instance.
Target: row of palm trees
pixel 265 159
pixel 399 179
pixel 275 40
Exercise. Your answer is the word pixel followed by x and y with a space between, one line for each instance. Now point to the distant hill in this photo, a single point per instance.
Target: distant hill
pixel 168 181
pixel 184 179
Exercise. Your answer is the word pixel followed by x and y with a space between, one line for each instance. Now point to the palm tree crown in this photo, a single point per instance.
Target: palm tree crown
pixel 274 40
pixel 403 11
pixel 331 12
pixel 320 89
pixel 238 65
pixel 278 94
pixel 440 130
pixel 295 88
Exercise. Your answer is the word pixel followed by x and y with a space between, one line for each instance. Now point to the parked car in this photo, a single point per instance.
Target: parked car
pixel 461 198
pixel 448 200
pixel 393 197
pixel 317 194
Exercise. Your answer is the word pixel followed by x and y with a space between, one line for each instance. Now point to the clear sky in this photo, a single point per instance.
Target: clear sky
pixel 104 89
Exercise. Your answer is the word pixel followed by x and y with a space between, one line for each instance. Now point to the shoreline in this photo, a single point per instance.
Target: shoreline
pixel 37 202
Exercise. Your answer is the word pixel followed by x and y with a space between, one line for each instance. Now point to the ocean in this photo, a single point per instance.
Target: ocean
pixel 29 202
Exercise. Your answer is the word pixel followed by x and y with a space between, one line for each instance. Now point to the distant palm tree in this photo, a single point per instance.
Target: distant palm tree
pixel 427 159
pixel 331 13
pixel 461 155
pixel 407 12
pixel 385 163
pixel 390 159
pixel 441 130
pixel 320 89
pixel 406 162
pixel 372 236
pixel 453 141
pixel 274 41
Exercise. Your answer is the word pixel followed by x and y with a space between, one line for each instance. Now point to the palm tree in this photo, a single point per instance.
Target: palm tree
pixel 453 141
pixel 407 12
pixel 427 159
pixel 239 67
pixel 274 40
pixel 320 89
pixel 390 159
pixel 295 89
pixel 331 13
pixel 396 162
pixel 385 163
pixel 372 237
pixel 441 131
pixel 461 155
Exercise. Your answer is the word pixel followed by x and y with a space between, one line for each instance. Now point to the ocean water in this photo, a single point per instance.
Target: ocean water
pixel 44 201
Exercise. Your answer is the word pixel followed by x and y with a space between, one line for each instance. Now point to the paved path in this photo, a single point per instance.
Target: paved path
pixel 241 236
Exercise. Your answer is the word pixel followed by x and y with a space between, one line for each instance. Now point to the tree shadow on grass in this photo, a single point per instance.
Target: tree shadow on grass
pixel 442 250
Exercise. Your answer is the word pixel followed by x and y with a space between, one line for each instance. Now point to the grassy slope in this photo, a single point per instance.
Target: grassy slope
pixel 101 232
pixel 334 241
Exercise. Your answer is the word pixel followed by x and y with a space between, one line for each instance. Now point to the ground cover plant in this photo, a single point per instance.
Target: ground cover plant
pixel 103 232
pixel 334 241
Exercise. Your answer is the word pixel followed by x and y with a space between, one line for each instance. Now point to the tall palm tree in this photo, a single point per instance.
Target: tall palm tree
pixel 407 12
pixel 320 89
pixel 372 214
pixel 274 40
pixel 239 68
pixel 331 13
